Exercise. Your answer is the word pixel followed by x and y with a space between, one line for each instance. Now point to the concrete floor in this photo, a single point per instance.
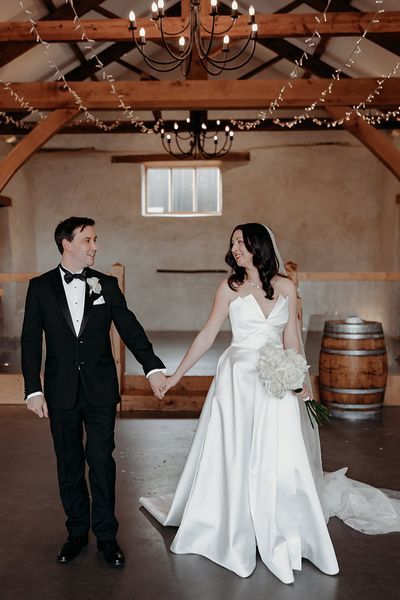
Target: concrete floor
pixel 150 455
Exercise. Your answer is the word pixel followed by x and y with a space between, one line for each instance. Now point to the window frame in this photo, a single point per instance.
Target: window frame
pixel 188 164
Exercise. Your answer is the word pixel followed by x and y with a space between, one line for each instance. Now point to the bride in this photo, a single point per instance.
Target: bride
pixel 253 478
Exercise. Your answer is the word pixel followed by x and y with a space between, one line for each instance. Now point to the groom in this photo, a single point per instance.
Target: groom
pixel 74 306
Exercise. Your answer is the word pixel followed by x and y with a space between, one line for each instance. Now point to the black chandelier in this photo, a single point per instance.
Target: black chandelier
pixel 191 40
pixel 195 140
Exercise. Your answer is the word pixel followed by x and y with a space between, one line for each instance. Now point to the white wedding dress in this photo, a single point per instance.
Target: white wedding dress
pixel 248 483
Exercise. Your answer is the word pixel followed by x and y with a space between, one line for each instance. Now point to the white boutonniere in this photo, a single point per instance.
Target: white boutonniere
pixel 94 285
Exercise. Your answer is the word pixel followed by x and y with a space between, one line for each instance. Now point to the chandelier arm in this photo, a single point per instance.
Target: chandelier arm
pixel 206 68
pixel 182 150
pixel 216 152
pixel 181 137
pixel 217 62
pixel 167 148
pixel 184 153
pixel 182 56
pixel 153 60
pixel 235 67
pixel 170 33
pixel 186 65
pixel 197 37
pixel 150 63
pixel 217 33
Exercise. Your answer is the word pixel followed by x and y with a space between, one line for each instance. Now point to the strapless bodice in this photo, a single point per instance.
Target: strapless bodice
pixel 251 328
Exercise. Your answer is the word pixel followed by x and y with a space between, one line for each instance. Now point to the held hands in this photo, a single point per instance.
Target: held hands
pixel 158 384
pixel 38 405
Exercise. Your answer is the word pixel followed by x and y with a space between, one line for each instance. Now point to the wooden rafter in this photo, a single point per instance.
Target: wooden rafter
pixel 13 50
pixel 293 54
pixel 202 95
pixel 140 158
pixel 269 26
pixel 87 127
pixel 32 142
pixel 75 46
pixel 389 41
pixel 377 142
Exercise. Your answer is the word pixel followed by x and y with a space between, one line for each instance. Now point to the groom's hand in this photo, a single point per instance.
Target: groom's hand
pixel 158 384
pixel 38 405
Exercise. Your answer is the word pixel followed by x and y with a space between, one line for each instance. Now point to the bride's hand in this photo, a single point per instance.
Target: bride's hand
pixel 305 393
pixel 172 380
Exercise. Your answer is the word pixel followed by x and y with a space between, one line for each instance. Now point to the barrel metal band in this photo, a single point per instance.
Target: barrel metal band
pixel 327 388
pixel 356 336
pixel 353 327
pixel 355 406
pixel 376 352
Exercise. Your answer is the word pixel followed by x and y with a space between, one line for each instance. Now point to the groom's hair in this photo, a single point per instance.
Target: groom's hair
pixel 65 229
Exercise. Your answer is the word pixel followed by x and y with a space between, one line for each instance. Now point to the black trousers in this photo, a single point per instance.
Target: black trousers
pixel 67 431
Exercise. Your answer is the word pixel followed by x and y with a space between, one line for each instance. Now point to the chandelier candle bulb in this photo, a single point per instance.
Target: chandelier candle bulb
pixel 252 14
pixel 132 20
pixel 182 43
pixel 214 8
pixel 154 11
pixel 234 13
pixel 160 5
pixel 225 46
pixel 176 126
pixel 254 29
pixel 142 35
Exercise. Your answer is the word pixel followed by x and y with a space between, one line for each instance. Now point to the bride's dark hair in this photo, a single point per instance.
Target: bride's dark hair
pixel 257 241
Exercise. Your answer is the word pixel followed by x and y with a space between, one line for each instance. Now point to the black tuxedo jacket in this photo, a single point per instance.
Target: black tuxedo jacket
pixel 87 356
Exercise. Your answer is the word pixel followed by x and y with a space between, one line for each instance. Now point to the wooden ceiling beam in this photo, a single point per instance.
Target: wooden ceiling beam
pixel 377 142
pixel 32 142
pixel 126 127
pixel 165 157
pixel 294 54
pixel 388 41
pixel 12 50
pixel 274 25
pixel 202 95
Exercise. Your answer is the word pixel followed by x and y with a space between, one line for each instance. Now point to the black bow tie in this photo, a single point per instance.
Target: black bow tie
pixel 68 277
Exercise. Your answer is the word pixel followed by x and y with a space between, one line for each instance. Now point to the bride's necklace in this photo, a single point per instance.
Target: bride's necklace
pixel 253 284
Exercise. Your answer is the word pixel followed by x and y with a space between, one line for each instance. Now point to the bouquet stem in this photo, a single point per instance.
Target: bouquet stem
pixel 317 412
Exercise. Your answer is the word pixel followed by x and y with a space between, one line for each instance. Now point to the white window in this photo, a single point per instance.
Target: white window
pixel 181 190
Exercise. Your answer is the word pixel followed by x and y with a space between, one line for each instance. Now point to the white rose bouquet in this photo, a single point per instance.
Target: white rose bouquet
pixel 283 370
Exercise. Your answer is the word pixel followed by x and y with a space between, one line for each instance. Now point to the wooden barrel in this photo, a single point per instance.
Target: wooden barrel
pixel 353 368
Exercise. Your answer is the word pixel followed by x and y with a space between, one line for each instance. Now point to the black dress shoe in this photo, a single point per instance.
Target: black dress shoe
pixel 71 548
pixel 112 552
